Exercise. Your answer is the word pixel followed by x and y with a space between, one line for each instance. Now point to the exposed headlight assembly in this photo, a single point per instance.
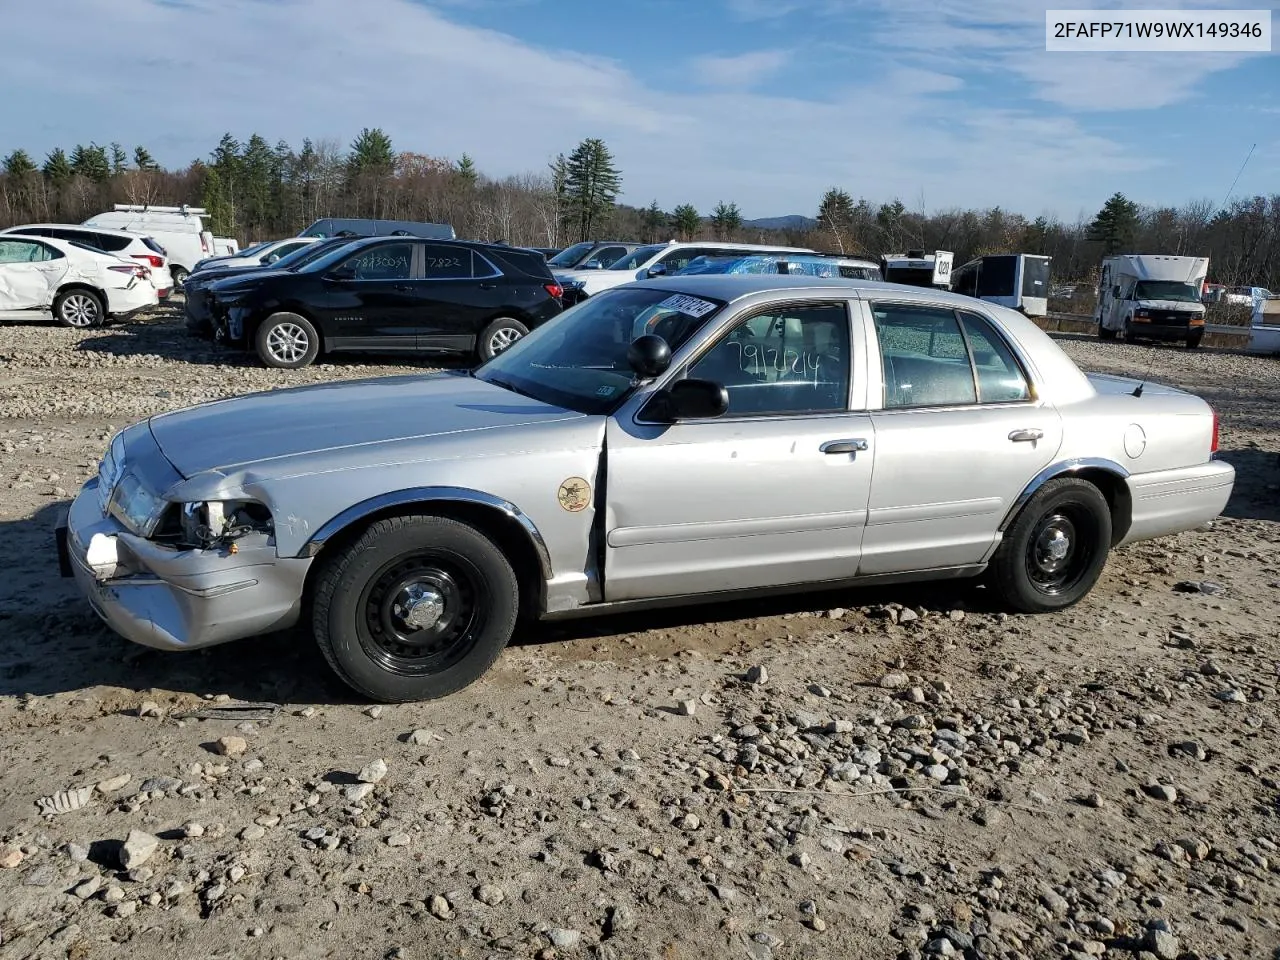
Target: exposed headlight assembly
pixel 208 522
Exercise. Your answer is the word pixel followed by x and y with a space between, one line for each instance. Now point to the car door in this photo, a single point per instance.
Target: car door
pixel 774 491
pixel 460 291
pixel 30 273
pixel 369 301
pixel 959 434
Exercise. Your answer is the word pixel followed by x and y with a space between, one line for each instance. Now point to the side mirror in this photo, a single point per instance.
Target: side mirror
pixel 657 270
pixel 649 356
pixel 593 265
pixel 271 258
pixel 689 399
pixel 1115 291
pixel 344 272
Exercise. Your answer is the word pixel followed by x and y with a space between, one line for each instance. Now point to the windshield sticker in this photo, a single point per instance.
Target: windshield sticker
pixel 695 307
pixel 605 391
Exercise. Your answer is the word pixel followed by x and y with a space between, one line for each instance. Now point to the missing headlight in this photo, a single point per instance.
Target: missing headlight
pixel 205 524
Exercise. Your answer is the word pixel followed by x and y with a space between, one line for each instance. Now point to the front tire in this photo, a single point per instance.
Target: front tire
pixel 287 341
pixel 1055 550
pixel 1194 339
pixel 417 608
pixel 79 309
pixel 499 335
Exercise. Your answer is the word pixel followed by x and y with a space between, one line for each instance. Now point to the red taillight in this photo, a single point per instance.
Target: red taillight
pixel 1213 443
pixel 151 259
pixel 554 289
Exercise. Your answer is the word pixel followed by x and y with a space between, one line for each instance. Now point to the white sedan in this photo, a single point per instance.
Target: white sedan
pixel 82 286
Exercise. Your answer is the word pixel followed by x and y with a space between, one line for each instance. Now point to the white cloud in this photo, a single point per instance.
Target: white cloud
pixel 173 77
pixel 741 71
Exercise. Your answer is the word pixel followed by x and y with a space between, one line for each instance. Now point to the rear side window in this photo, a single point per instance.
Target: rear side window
pixel 104 241
pixel 153 246
pixel 924 358
pixel 446 263
pixel 391 261
pixel 1000 379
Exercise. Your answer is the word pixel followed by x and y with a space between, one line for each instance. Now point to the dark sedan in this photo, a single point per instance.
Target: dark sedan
pixel 388 294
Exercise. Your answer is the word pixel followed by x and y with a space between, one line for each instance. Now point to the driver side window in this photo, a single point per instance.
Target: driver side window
pixel 792 360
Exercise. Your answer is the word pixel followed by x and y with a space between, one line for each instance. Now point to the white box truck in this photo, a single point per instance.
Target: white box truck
pixel 1152 297
pixel 180 230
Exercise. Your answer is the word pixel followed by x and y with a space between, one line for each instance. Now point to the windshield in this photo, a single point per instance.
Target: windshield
pixel 637 258
pixel 326 258
pixel 250 251
pixel 706 264
pixel 1167 290
pixel 570 256
pixel 579 359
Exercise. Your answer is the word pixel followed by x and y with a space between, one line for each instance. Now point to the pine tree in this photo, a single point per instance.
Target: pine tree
pixel 686 220
pixel 726 220
pixel 142 159
pixel 467 172
pixel 653 219
pixel 592 184
pixel 1115 225
pixel 91 162
pixel 19 164
pixel 119 160
pixel 213 197
pixel 257 164
pixel 835 216
pixel 57 168
pixel 371 152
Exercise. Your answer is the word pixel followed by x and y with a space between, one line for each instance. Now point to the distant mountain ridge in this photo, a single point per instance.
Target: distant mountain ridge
pixel 794 221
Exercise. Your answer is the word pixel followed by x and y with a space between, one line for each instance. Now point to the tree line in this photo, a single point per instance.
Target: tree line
pixel 255 190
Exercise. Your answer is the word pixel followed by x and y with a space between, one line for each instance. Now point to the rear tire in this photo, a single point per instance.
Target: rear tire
pixel 499 335
pixel 1055 550
pixel 1104 333
pixel 415 609
pixel 287 341
pixel 79 308
pixel 179 275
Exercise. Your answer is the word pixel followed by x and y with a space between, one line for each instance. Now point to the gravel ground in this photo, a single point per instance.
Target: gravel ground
pixel 889 773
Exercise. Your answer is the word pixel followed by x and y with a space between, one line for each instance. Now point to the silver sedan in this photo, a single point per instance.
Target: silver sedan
pixel 669 441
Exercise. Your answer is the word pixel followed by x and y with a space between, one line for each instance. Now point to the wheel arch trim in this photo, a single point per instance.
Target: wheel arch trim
pixel 424 496
pixel 1061 468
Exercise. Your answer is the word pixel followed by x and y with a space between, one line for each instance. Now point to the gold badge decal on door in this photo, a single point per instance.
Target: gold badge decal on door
pixel 574 494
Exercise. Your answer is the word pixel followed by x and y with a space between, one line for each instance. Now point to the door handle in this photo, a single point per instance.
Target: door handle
pixel 1029 435
pixel 843 446
pixel 402 286
pixel 488 286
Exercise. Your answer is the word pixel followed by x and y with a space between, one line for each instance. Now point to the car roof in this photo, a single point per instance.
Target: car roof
pixel 64 245
pixel 109 231
pixel 723 286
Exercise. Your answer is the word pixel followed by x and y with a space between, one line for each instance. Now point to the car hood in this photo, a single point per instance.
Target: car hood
pixel 323 422
pixel 245 280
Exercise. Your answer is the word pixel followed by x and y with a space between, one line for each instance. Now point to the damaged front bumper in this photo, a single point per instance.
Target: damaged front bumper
pixel 174 598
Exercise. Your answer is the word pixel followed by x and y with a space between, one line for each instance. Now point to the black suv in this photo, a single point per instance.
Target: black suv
pixel 197 295
pixel 389 294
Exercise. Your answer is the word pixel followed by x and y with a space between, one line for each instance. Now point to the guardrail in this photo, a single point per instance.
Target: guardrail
pixel 1216 334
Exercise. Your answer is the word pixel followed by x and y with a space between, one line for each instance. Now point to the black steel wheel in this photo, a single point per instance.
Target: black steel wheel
pixel 416 608
pixel 1054 552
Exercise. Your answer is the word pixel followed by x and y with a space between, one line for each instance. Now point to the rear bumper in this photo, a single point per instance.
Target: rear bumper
pixel 1172 501
pixel 173 599
pixel 122 302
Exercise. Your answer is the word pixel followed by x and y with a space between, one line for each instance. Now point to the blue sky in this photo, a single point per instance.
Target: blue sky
pixel 762 102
